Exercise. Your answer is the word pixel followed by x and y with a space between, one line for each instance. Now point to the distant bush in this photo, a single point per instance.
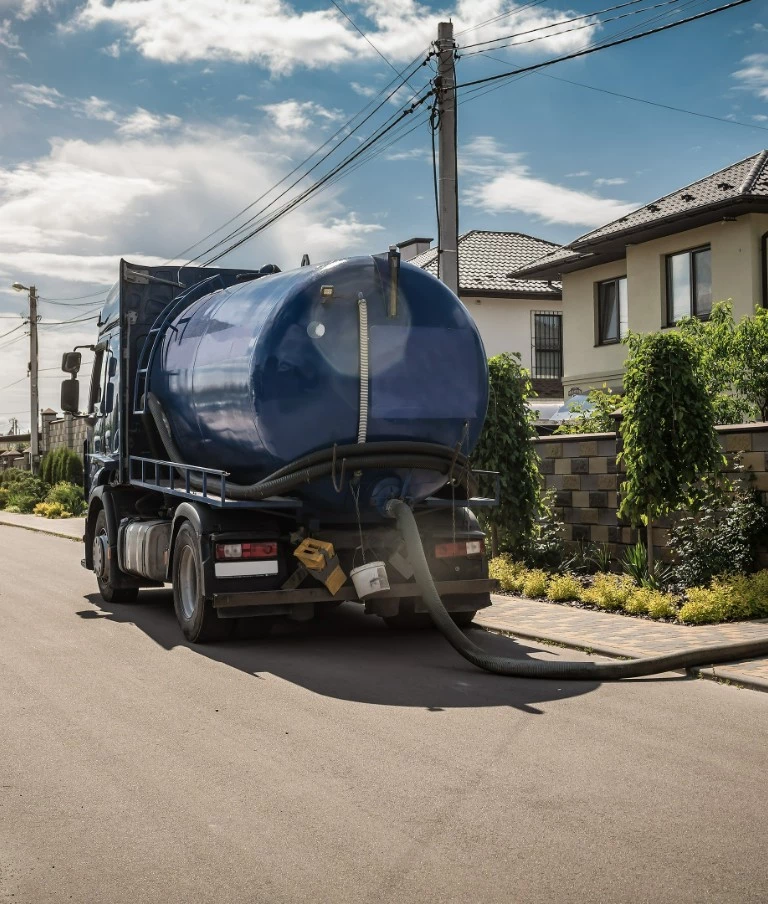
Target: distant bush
pixel 61 465
pixel 535 583
pixel 69 496
pixel 564 587
pixel 609 591
pixel 745 596
pixel 25 492
pixel 3 497
pixel 12 475
pixel 52 510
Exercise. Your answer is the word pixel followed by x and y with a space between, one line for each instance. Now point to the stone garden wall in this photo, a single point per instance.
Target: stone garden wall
pixel 582 470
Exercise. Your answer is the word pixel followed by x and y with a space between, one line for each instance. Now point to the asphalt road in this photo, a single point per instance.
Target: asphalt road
pixel 339 762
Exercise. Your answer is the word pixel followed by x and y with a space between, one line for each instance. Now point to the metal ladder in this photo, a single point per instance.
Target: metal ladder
pixel 152 339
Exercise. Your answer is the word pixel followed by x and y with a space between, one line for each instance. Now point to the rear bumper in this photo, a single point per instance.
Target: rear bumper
pixel 446 589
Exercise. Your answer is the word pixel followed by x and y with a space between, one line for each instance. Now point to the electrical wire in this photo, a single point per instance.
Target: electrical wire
pixel 312 189
pixel 588 50
pixel 24 323
pixel 512 12
pixel 359 30
pixel 519 34
pixel 347 127
pixel 557 34
pixel 651 103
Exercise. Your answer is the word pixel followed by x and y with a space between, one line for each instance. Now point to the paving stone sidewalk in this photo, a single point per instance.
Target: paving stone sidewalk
pixel 619 635
pixel 71 528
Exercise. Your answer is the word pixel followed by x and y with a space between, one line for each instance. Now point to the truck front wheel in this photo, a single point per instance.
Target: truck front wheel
pixel 103 564
pixel 195 614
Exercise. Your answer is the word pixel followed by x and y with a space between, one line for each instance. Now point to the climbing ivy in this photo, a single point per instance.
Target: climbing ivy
pixel 667 429
pixel 506 446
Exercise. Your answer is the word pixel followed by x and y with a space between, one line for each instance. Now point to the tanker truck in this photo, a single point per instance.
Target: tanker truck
pixel 248 429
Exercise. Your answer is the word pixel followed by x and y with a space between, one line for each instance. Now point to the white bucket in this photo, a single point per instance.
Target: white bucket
pixel 370 578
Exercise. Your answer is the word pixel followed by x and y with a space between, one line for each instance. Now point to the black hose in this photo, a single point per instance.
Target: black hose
pixel 533 668
pixel 427 456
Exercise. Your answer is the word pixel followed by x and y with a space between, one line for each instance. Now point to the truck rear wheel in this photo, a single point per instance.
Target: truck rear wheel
pixel 103 564
pixel 195 614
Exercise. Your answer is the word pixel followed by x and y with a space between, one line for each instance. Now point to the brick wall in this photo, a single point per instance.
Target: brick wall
pixel 582 470
pixel 66 431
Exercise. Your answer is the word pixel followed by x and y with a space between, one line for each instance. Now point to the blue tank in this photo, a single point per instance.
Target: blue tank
pixel 257 375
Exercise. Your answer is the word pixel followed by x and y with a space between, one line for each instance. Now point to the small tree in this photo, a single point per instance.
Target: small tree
pixel 505 445
pixel 595 417
pixel 750 357
pixel 667 429
pixel 718 364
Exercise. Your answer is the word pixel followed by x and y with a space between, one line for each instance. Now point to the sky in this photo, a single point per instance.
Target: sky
pixel 134 128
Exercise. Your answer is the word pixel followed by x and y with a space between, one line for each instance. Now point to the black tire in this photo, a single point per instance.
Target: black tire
pixel 196 616
pixel 109 593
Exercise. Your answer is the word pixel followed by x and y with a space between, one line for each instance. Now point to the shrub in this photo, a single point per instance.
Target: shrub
pixel 654 602
pixel 506 446
pixel 25 492
pixel 508 573
pixel 706 605
pixel 52 510
pixel 3 497
pixel 594 417
pixel 720 538
pixel 68 496
pixel 564 587
pixel 609 591
pixel 535 583
pixel 13 475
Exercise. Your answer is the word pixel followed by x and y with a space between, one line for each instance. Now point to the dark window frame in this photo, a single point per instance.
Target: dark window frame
pixel 691 252
pixel 556 337
pixel 601 339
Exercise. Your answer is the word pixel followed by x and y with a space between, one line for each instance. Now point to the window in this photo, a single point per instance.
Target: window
pixel 689 285
pixel 547 345
pixel 612 315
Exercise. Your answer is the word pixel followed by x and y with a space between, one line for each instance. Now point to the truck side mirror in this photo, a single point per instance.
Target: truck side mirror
pixel 70 362
pixel 70 396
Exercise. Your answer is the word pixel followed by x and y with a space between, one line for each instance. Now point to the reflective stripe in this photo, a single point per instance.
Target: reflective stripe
pixel 252 568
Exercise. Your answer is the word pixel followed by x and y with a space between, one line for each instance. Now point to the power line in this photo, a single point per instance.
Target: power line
pixel 605 46
pixel 289 205
pixel 359 30
pixel 652 103
pixel 301 198
pixel 557 34
pixel 24 323
pixel 400 79
pixel 598 12
pixel 512 12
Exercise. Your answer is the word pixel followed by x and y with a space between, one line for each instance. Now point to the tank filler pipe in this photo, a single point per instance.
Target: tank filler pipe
pixel 534 668
pixel 362 427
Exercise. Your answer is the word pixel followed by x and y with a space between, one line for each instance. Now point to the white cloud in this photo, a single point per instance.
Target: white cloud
pixel 138 123
pixel 276 35
pixel 614 181
pixel 501 183
pixel 38 95
pixel 141 122
pixel 754 75
pixel 760 117
pixel 7 38
pixel 296 116
pixel 114 49
pixel 67 217
pixel 581 174
pixel 25 9
pixel 363 90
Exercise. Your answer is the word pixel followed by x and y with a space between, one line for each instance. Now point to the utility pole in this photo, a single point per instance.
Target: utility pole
pixel 34 435
pixel 448 232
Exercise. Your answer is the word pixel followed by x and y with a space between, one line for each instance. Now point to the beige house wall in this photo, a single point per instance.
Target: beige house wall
pixel 736 275
pixel 505 323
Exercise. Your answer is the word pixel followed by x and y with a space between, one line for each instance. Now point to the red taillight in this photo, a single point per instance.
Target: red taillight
pixel 259 550
pixel 460 548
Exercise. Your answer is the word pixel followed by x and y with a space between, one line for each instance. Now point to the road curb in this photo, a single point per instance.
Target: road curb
pixel 41 530
pixel 722 673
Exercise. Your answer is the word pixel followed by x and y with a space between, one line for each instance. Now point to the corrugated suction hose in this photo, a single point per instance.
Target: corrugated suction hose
pixel 533 668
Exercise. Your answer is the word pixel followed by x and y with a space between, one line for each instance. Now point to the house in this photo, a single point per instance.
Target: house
pixel 672 258
pixel 512 314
